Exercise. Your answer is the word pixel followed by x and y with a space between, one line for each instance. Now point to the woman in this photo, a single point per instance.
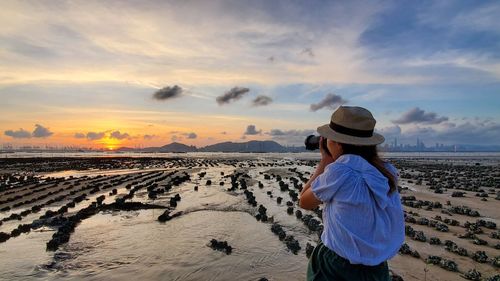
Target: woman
pixel 362 213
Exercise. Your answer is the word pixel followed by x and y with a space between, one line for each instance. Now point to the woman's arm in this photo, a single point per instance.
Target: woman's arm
pixel 307 199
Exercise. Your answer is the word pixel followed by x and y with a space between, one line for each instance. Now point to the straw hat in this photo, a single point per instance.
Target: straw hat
pixel 351 125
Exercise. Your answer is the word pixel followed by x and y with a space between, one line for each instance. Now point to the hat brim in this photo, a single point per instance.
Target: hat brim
pixel 327 132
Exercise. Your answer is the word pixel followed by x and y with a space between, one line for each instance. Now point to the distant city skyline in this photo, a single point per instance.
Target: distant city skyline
pixel 126 74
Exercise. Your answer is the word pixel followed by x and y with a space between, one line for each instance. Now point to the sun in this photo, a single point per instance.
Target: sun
pixel 110 143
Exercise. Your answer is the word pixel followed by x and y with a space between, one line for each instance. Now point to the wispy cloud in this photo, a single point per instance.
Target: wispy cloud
pixel 469 132
pixel 119 136
pixel 330 101
pixel 95 135
pixel 18 134
pixel 79 136
pixel 262 100
pixel 252 130
pixel 235 93
pixel 417 115
pixel 39 132
pixel 190 135
pixel 168 93
pixel 308 52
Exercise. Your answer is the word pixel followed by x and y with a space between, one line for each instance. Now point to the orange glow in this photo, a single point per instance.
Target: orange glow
pixel 110 143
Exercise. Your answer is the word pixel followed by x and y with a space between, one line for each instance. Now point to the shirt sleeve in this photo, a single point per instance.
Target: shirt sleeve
pixel 326 185
pixel 393 171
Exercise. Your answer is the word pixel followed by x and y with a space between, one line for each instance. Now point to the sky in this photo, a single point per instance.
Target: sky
pixel 107 74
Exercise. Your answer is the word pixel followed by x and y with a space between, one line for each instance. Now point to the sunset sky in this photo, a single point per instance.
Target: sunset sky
pixel 107 74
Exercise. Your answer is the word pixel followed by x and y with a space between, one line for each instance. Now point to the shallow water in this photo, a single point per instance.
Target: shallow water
pixel 115 245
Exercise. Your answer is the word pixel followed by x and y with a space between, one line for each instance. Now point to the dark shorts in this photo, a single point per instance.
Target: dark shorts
pixel 325 264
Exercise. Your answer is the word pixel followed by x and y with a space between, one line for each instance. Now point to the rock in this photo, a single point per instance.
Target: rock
pixel 442 227
pixel 222 246
pixel 292 244
pixel 449 265
pixel 433 260
pixel 434 241
pixel 457 194
pixel 278 230
pixel 309 250
pixel 479 241
pixel 298 214
pixel 496 261
pixel 467 235
pixel 480 257
pixel 173 202
pixel 152 194
pixel 166 216
pixel 4 237
pixel 395 277
pixel 262 210
pixel 473 275
pixel 493 278
pixel 405 249
pixel 409 231
pixel 415 254
pixel 420 236
pixel 423 221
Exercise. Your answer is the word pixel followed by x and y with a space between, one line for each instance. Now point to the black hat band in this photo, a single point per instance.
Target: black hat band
pixel 351 132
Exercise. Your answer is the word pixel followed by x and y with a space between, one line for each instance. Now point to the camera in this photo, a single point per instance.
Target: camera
pixel 312 142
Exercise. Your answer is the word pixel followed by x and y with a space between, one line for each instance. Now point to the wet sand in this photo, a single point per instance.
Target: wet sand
pixel 97 218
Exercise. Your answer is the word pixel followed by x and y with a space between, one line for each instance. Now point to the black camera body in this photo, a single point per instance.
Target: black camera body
pixel 312 143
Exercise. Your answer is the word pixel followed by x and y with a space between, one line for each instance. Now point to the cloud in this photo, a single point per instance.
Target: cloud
pixel 41 132
pixel 95 135
pixel 290 137
pixel 167 93
pixel 329 101
pixel 19 134
pixel 190 135
pixel 119 136
pixel 235 93
pixel 262 100
pixel 79 135
pixel 290 133
pixel 149 137
pixel 417 115
pixel 307 51
pixel 390 131
pixel 251 130
pixel 470 132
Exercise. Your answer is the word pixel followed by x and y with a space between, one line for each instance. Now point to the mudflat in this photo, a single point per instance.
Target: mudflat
pixel 186 218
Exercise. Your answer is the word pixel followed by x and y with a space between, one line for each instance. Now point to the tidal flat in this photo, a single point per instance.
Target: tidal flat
pixel 227 217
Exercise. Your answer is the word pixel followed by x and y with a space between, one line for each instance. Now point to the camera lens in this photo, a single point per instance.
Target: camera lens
pixel 312 142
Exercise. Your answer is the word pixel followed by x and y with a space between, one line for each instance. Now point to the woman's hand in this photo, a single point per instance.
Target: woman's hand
pixel 326 155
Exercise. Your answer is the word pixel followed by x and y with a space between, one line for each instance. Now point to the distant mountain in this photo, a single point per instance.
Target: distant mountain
pixel 177 147
pixel 250 146
pixel 171 147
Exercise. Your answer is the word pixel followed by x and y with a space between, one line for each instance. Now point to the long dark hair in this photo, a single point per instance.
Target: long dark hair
pixel 370 154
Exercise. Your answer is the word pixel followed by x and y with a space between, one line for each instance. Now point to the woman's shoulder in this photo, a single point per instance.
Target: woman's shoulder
pixel 342 164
